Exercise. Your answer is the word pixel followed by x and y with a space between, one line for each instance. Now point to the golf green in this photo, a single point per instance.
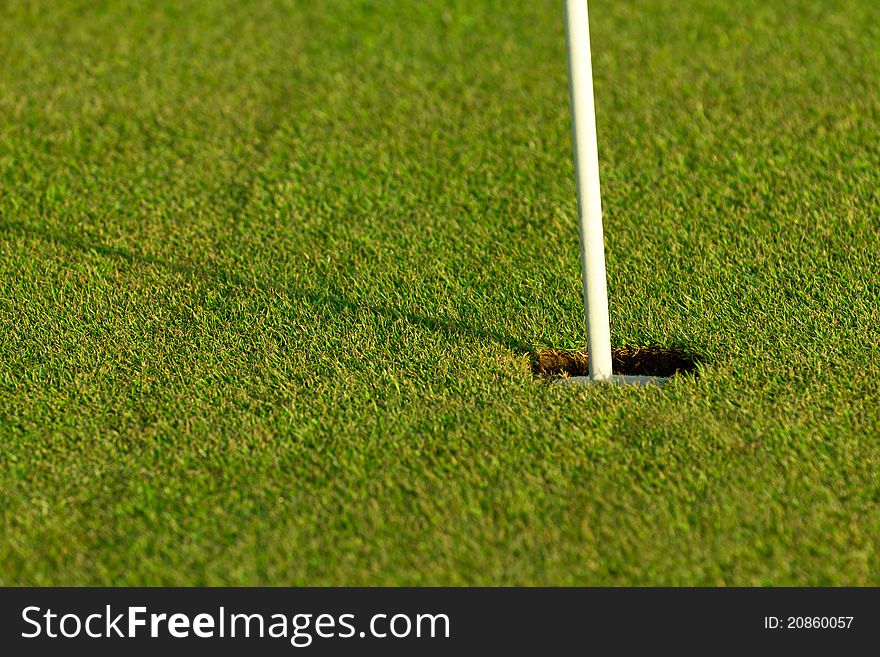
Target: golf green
pixel 274 275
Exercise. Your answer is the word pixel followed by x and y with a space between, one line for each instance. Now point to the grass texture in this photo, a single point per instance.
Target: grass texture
pixel 272 274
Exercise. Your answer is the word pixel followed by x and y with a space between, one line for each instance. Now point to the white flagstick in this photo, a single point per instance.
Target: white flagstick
pixel 586 166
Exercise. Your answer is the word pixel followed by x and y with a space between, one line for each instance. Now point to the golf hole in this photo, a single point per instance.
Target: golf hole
pixel 628 361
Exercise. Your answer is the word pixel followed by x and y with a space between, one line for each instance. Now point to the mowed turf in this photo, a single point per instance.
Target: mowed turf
pixel 271 274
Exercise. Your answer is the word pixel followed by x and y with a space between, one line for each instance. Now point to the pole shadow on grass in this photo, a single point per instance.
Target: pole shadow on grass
pixel 337 302
pixel 545 363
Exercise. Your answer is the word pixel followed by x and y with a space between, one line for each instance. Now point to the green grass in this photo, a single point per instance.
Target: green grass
pixel 270 273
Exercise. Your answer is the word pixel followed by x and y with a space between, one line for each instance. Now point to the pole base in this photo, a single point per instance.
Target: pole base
pixel 616 379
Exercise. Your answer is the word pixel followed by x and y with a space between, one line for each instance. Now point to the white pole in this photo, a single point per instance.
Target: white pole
pixel 586 166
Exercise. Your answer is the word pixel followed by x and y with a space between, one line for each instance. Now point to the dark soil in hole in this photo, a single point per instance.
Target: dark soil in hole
pixel 644 361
